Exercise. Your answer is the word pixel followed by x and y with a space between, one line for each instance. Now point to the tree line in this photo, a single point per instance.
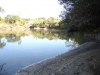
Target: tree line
pixel 46 23
pixel 38 22
pixel 78 15
pixel 13 20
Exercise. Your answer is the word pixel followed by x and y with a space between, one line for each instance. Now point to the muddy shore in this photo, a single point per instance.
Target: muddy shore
pixel 82 60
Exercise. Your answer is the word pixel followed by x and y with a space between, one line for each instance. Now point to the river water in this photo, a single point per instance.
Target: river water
pixel 18 50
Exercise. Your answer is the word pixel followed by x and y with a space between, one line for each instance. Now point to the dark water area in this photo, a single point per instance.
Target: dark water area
pixel 18 50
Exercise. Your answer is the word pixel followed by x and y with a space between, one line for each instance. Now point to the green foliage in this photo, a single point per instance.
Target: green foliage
pixel 76 38
pixel 81 15
pixel 1 10
pixel 21 22
pixel 47 23
pixel 10 37
pixel 39 22
pixel 49 34
pixel 72 39
pixel 10 19
pixel 14 19
pixel 1 19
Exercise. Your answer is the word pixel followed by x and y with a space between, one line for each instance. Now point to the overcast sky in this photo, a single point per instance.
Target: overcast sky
pixel 32 8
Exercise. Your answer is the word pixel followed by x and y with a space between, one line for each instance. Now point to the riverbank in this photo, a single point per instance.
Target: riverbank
pixel 83 60
pixel 6 27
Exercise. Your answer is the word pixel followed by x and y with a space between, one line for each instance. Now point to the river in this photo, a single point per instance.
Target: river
pixel 18 50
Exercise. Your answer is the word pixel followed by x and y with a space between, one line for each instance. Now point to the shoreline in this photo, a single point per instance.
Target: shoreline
pixel 5 27
pixel 73 62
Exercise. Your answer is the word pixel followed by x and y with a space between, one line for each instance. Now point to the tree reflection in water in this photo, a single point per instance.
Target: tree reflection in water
pixel 72 43
pixel 2 70
pixel 2 43
pixel 72 39
pixel 10 38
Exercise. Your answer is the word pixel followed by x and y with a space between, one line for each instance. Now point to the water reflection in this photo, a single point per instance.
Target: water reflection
pixel 10 38
pixel 2 70
pixel 75 39
pixel 2 43
pixel 18 50
pixel 72 39
pixel 49 34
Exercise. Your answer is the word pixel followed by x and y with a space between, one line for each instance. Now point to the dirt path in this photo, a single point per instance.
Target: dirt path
pixel 79 61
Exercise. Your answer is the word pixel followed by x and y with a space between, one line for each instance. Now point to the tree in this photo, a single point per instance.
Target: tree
pixel 81 15
pixel 1 10
pixel 14 19
pixel 10 19
pixel 48 23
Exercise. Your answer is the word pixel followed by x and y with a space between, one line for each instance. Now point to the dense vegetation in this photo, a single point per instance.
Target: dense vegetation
pixel 78 15
pixel 46 23
pixel 14 20
pixel 81 15
pixel 38 22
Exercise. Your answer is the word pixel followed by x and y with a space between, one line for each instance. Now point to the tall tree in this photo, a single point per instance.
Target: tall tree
pixel 82 15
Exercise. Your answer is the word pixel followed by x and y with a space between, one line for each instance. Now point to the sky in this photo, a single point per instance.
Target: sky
pixel 32 8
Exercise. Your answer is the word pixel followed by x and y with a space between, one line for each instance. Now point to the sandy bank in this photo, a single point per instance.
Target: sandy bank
pixel 12 27
pixel 6 27
pixel 75 62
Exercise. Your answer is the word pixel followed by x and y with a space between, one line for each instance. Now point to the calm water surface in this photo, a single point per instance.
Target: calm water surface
pixel 20 50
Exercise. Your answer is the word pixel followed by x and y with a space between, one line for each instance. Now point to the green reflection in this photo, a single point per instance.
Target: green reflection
pixel 49 34
pixel 72 39
pixel 2 43
pixel 77 38
pixel 10 38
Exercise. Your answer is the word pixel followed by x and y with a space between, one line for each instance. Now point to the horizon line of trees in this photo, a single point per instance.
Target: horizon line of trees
pixel 38 22
pixel 78 15
pixel 47 23
pixel 14 20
